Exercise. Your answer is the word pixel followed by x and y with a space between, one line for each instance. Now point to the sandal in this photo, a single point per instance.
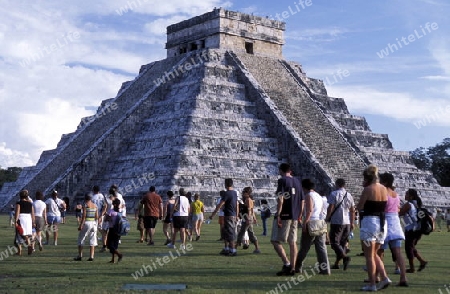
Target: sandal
pixel 422 266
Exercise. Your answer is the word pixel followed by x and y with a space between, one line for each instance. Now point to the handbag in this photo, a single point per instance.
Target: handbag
pixel 317 227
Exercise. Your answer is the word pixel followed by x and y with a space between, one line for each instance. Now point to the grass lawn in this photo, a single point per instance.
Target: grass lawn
pixel 200 267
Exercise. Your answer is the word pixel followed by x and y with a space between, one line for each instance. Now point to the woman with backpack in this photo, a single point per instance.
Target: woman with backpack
pixel 412 229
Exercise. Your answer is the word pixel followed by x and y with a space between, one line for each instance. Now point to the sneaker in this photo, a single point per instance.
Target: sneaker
pixel 151 243
pixel 90 259
pixel 384 284
pixel 183 247
pixel 369 288
pixel 120 258
pixel 167 242
pixel 224 252
pixel 410 271
pixel 346 261
pixel 397 271
pixel 30 250
pixel 40 246
pixel 56 243
pixel 285 270
pixel 245 246
pixel 257 251
pixel 335 266
pixel 232 253
pixel 103 249
pixel 171 246
pixel 368 281
pixel 78 258
pixel 198 238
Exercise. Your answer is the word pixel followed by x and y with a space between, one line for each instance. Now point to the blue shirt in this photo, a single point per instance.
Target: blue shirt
pixel 99 200
pixel 290 189
pixel 230 206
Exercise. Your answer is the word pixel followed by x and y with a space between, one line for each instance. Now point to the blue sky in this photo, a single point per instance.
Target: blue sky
pixel 60 59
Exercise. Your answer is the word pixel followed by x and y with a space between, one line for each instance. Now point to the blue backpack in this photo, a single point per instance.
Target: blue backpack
pixel 122 226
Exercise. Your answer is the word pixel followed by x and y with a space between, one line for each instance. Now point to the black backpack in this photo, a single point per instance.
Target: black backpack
pixel 425 220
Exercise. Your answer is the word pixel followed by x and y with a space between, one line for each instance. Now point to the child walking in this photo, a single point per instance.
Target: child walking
pixel 113 235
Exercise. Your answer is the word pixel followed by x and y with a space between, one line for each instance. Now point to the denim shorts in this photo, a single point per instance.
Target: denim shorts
pixel 393 244
pixel 52 219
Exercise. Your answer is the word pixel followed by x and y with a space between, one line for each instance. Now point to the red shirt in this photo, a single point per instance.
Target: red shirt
pixel 152 202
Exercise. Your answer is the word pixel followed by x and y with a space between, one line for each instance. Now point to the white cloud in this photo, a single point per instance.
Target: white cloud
pixel 46 96
pixel 436 78
pixel 317 34
pixel 399 106
pixel 158 26
pixel 10 158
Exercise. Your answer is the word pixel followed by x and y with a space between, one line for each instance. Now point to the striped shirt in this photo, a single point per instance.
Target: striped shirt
pixel 90 214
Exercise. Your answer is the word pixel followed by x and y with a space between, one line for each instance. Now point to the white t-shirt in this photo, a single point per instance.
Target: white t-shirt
pixel 39 207
pixel 184 207
pixel 342 214
pixel 323 215
pixel 53 206
pixel 122 202
pixel 317 205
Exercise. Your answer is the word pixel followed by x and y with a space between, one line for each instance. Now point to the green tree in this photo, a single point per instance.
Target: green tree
pixel 435 159
pixel 421 159
pixel 440 162
pixel 9 175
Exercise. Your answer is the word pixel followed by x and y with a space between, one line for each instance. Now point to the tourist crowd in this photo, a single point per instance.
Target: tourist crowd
pixel 319 220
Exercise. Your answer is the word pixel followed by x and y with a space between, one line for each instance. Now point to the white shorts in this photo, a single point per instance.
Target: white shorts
pixel 197 217
pixel 26 223
pixel 371 230
pixel 89 230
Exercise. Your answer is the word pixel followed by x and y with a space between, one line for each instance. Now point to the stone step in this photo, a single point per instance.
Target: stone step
pixel 314 128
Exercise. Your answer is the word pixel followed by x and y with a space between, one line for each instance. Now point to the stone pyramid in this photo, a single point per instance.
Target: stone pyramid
pixel 224 103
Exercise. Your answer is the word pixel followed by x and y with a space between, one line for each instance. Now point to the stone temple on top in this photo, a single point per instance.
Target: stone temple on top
pixel 223 104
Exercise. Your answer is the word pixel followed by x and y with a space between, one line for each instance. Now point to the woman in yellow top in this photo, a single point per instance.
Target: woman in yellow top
pixel 197 209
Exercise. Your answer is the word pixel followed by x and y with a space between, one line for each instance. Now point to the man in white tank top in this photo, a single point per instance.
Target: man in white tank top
pixel 313 209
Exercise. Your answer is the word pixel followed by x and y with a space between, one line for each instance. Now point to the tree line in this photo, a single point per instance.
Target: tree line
pixel 436 160
pixel 9 175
